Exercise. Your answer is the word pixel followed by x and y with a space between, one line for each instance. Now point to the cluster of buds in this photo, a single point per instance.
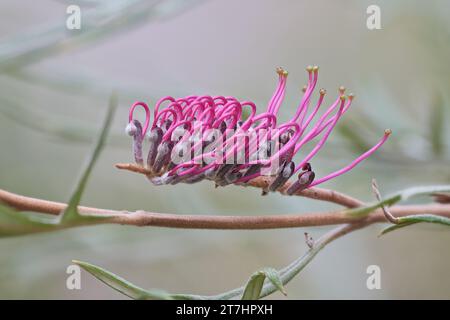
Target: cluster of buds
pixel 223 139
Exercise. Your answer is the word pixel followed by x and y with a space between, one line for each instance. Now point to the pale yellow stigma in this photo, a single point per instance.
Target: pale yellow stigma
pixel 309 69
pixel 341 89
pixel 322 92
pixel 282 72
pixel 316 68
pixel 387 132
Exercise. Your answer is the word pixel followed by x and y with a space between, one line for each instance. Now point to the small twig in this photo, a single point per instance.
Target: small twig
pixel 386 212
pixel 309 240
pixel 290 271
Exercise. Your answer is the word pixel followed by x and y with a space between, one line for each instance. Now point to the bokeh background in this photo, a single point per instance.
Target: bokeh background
pixel 54 88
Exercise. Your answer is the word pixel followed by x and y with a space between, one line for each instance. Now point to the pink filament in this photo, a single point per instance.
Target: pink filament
pixel 147 115
pixel 312 81
pixel 355 162
pixel 322 141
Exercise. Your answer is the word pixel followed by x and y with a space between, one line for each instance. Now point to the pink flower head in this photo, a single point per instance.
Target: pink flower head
pixel 225 140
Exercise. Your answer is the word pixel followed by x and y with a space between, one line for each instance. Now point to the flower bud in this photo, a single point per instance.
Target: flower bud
pixel 305 178
pixel 163 155
pixel 154 137
pixel 284 174
pixel 134 128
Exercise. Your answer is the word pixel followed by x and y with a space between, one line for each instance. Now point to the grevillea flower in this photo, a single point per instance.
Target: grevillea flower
pixel 225 140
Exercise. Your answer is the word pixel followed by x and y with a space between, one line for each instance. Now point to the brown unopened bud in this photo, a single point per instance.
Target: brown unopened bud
pixel 307 167
pixel 304 180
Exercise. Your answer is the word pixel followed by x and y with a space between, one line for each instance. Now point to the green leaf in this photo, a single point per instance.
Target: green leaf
pixel 71 212
pixel 399 196
pixel 409 220
pixel 365 210
pixel 13 223
pixel 123 286
pixel 419 191
pixel 129 289
pixel 255 284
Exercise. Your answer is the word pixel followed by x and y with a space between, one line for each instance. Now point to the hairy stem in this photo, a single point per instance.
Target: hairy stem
pixel 144 218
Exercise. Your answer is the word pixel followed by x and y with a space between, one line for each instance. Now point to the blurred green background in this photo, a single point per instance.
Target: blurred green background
pixel 54 88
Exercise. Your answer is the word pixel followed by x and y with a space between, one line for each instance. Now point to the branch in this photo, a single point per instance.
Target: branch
pixel 144 218
pixel 263 182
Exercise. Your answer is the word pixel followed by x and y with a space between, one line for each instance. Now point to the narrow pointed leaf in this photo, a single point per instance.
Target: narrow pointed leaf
pixel 71 212
pixel 121 285
pixel 255 284
pixel 399 196
pixel 419 191
pixel 409 220
pixel 365 210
